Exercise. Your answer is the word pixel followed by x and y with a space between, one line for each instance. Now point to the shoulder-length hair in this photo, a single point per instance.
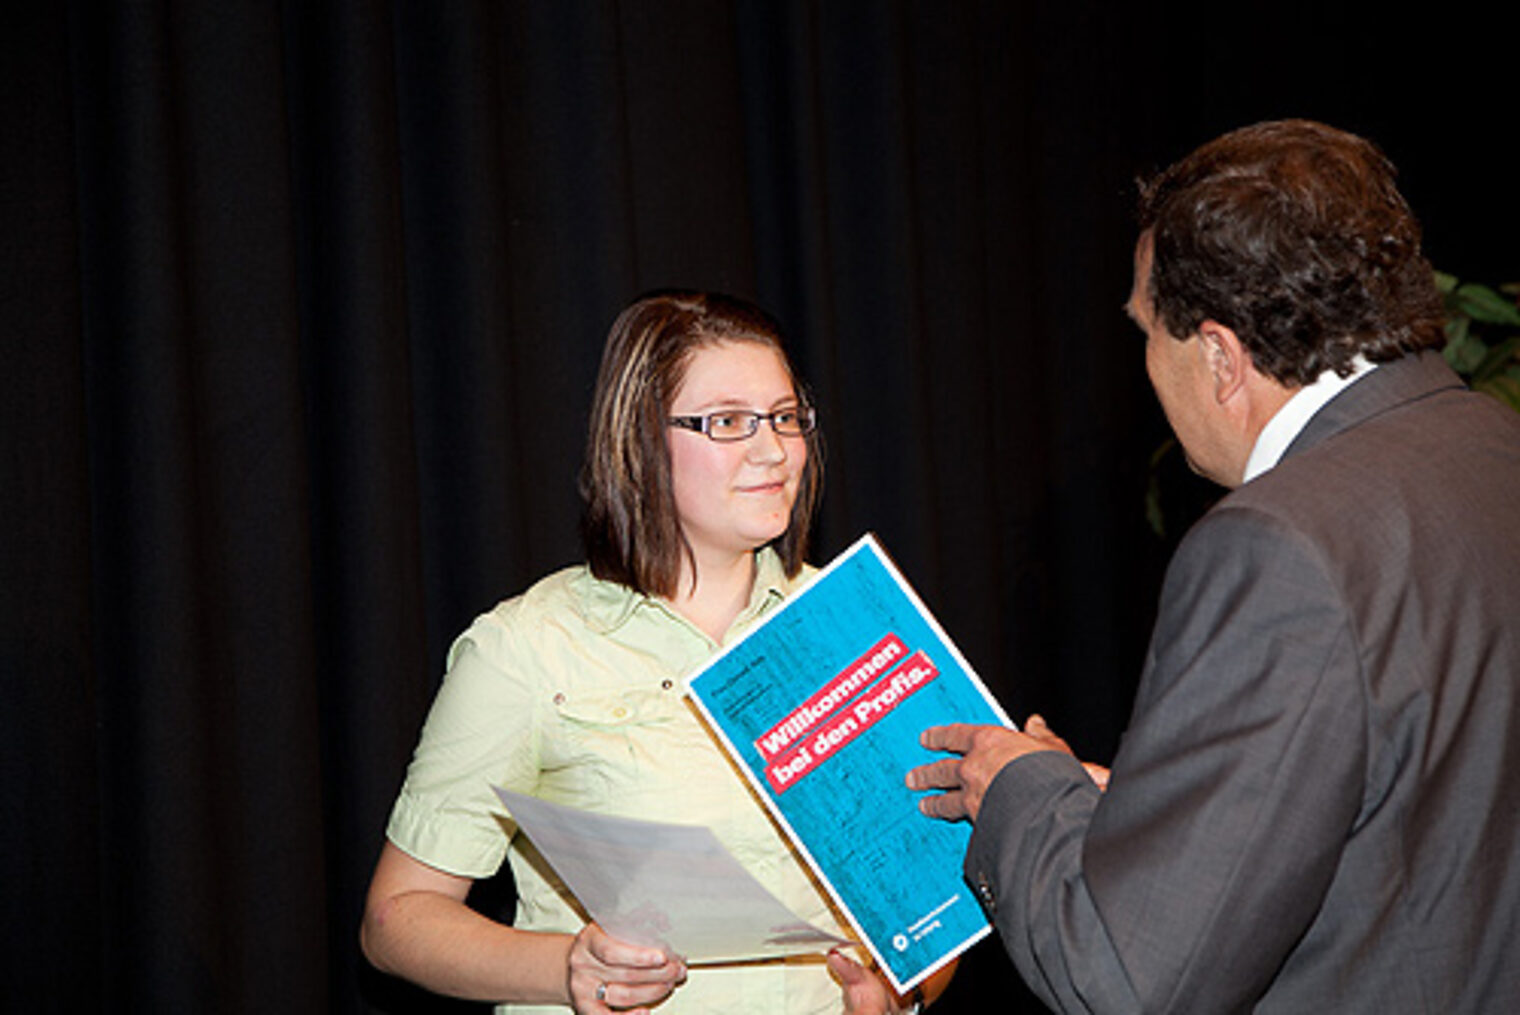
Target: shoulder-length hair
pixel 630 526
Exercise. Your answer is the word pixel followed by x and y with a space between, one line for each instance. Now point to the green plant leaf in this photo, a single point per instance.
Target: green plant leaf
pixel 1457 327
pixel 1505 387
pixel 1506 352
pixel 1445 283
pixel 1465 352
pixel 1155 517
pixel 1484 304
pixel 1162 450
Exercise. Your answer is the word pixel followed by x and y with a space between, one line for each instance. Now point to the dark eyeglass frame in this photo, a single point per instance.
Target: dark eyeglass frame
pixel 806 422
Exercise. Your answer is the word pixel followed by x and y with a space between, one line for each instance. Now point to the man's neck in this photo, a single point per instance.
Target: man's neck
pixel 1294 414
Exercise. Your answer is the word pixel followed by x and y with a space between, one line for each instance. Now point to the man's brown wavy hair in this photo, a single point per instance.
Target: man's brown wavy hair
pixel 1293 235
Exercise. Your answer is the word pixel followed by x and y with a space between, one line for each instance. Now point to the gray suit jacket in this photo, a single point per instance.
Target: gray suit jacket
pixel 1316 807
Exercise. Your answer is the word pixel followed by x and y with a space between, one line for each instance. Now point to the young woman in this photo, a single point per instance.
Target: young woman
pixel 701 475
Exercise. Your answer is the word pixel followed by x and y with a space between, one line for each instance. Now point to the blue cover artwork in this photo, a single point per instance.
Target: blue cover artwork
pixel 822 706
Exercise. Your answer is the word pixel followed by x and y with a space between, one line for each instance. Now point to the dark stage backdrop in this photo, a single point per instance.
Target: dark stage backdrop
pixel 301 304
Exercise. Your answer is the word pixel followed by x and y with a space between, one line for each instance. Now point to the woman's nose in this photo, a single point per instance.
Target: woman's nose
pixel 765 444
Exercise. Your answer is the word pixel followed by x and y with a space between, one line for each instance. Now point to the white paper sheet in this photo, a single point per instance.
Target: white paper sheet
pixel 663 885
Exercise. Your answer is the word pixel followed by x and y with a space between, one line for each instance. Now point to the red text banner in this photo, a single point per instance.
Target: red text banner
pixel 831 697
pixel 828 739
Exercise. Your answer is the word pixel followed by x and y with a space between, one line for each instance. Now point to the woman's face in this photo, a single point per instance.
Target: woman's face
pixel 735 496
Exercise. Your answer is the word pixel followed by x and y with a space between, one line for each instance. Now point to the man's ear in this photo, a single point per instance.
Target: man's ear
pixel 1228 360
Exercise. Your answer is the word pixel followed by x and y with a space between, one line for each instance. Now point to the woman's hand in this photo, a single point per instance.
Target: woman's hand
pixel 607 975
pixel 865 992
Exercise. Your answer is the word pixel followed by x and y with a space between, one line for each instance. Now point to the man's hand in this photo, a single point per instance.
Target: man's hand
pixel 983 750
pixel 1035 727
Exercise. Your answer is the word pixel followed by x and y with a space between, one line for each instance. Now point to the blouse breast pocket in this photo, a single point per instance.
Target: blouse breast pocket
pixel 610 747
pixel 643 753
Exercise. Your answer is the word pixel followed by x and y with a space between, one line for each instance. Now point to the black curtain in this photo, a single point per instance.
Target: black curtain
pixel 301 305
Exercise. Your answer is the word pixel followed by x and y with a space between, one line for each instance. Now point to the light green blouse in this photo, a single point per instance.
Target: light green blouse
pixel 573 692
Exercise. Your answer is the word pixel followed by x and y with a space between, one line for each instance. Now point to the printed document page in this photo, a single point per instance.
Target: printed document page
pixel 664 885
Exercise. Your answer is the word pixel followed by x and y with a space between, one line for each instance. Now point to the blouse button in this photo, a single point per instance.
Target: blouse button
pixel 667 684
pixel 559 699
pixel 619 712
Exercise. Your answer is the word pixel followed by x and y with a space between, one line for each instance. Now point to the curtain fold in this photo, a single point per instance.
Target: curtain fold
pixel 326 288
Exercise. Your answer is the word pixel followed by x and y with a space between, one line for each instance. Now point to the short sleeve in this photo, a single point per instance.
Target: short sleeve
pixel 480 732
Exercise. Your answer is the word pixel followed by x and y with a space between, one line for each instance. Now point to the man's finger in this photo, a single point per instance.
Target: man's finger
pixel 956 737
pixel 942 774
pixel 945 806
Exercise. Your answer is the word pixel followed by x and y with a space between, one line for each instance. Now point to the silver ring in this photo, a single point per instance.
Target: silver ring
pixel 601 992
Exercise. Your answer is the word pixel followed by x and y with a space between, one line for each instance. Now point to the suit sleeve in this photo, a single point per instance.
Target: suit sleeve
pixel 1185 887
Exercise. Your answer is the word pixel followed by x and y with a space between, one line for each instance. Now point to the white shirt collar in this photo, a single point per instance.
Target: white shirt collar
pixel 1295 414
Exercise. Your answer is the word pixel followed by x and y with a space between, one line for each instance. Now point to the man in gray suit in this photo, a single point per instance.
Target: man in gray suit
pixel 1316 806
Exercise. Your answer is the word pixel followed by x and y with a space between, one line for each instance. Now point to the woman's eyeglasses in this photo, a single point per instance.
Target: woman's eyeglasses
pixel 738 424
